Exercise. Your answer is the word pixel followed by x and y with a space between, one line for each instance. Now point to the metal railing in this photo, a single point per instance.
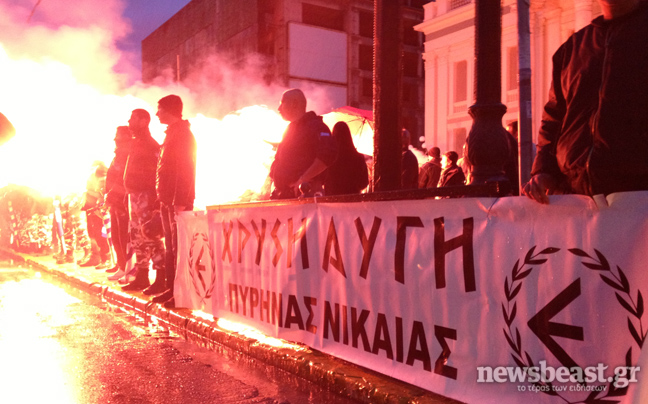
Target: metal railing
pixel 493 189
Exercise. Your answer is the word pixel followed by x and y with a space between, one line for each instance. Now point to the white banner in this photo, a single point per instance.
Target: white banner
pixel 195 280
pixel 455 296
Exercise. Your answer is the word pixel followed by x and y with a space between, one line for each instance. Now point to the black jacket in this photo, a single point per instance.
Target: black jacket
pixel 409 170
pixel 594 132
pixel 139 175
pixel 430 173
pixel 176 169
pixel 452 176
pixel 304 140
pixel 348 175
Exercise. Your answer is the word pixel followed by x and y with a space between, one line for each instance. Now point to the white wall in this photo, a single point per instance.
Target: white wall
pixel 317 53
pixel 450 38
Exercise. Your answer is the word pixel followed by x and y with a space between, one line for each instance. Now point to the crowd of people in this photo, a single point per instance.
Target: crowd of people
pixel 449 170
pixel 312 160
pixel 592 140
pixel 138 195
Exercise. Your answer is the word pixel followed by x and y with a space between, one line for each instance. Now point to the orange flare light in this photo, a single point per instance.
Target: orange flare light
pixel 63 125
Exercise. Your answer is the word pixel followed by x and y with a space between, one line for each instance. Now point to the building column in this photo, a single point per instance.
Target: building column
pixel 429 103
pixel 442 99
pixel 487 146
pixel 387 95
pixel 541 66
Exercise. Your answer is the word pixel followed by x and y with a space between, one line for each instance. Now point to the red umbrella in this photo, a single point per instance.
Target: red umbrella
pixel 360 123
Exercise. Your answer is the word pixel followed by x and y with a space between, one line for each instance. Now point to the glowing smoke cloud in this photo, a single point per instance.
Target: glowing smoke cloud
pixel 59 89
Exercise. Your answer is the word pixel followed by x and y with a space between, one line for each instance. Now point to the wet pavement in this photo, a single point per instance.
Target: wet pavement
pixel 61 345
pixel 275 370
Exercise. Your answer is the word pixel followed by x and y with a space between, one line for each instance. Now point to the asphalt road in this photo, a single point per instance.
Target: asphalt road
pixel 60 345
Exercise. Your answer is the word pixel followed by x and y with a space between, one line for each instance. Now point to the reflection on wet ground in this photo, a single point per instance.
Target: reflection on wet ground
pixel 60 345
pixel 33 362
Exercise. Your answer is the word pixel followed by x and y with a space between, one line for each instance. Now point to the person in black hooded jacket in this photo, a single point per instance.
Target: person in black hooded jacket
pixel 594 133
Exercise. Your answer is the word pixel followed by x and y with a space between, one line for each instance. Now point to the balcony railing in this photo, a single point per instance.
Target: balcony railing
pixel 454 4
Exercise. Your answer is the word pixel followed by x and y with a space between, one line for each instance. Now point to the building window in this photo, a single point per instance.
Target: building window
pixel 458 3
pixel 460 86
pixel 410 94
pixel 512 82
pixel 410 35
pixel 459 137
pixel 416 3
pixel 322 17
pixel 365 57
pixel 512 75
pixel 366 24
pixel 411 63
pixel 367 87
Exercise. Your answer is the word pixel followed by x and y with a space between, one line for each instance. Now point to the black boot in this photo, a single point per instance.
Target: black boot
pixel 141 281
pixel 158 286
pixel 164 297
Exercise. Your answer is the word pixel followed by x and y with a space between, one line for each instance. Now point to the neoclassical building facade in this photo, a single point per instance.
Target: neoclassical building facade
pixel 449 58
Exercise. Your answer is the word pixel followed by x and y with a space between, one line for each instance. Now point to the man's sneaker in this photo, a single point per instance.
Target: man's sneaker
pixel 129 277
pixel 117 275
pixel 104 265
pixel 92 261
pixel 112 270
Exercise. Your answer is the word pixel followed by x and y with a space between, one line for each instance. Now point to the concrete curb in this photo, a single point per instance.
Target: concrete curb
pixel 333 374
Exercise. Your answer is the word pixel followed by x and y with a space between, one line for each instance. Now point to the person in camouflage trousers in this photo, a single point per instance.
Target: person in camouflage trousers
pixel 35 235
pixel 75 235
pixel 24 219
pixel 139 182
pixel 148 247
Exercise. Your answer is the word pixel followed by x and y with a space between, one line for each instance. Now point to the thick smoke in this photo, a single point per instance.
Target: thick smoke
pixel 66 86
pixel 81 34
